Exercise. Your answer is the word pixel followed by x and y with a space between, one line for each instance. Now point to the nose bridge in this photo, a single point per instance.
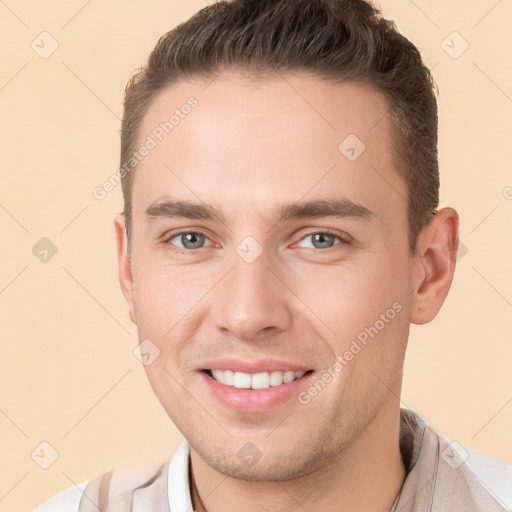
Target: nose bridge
pixel 252 298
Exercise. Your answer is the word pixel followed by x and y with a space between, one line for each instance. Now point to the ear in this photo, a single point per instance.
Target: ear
pixel 435 265
pixel 124 263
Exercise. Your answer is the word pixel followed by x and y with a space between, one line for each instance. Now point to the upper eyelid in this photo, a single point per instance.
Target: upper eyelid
pixel 341 237
pixel 326 232
pixel 167 238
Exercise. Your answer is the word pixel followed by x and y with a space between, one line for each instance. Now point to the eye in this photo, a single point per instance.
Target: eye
pixel 189 240
pixel 325 239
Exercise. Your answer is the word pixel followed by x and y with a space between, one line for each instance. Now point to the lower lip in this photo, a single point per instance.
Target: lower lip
pixel 255 400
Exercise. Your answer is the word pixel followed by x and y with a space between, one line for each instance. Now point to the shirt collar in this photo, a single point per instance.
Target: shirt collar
pixel 178 482
pixel 419 446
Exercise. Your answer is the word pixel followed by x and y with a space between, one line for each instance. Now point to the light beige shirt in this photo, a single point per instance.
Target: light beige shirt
pixel 442 476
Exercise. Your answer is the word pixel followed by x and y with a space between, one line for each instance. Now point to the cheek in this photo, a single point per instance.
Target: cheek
pixel 166 384
pixel 364 311
pixel 349 296
pixel 164 295
pixel 169 309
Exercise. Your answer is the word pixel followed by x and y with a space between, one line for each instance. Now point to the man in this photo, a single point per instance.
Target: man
pixel 279 235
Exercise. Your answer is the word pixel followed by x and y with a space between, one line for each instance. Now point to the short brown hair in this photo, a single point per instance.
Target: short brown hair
pixel 336 40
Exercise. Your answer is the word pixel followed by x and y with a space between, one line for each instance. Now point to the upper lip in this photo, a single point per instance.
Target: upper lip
pixel 261 365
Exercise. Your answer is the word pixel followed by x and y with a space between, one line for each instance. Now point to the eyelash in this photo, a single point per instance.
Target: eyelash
pixel 343 241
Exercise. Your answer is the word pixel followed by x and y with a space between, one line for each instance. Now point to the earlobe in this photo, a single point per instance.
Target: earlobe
pixel 124 264
pixel 435 265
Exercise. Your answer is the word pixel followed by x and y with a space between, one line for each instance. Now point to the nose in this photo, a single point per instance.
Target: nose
pixel 252 301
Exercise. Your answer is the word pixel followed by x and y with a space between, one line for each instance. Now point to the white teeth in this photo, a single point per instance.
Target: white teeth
pixel 229 377
pixel 242 380
pixel 262 380
pixel 288 376
pixel 276 378
pixel 218 375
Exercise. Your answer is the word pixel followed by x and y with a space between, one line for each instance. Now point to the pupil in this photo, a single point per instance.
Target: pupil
pixel 189 237
pixel 321 237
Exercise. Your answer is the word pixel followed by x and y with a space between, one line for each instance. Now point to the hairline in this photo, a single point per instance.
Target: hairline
pixel 265 74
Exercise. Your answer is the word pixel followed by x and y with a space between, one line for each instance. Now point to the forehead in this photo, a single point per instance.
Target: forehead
pixel 252 143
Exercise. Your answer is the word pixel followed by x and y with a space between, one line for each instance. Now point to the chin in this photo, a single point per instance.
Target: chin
pixel 263 461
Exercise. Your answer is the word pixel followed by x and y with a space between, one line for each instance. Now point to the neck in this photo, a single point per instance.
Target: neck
pixel 368 475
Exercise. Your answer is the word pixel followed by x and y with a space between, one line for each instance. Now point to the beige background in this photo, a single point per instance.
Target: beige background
pixel 68 374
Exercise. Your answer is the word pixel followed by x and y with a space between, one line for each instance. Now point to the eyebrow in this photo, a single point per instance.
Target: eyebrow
pixel 334 208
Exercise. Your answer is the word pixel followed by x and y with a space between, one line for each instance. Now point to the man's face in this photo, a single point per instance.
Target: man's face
pixel 300 293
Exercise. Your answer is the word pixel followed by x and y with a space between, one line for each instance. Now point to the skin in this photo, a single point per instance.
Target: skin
pixel 248 148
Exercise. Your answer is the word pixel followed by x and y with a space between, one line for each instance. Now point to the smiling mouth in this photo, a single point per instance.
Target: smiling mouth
pixel 261 380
